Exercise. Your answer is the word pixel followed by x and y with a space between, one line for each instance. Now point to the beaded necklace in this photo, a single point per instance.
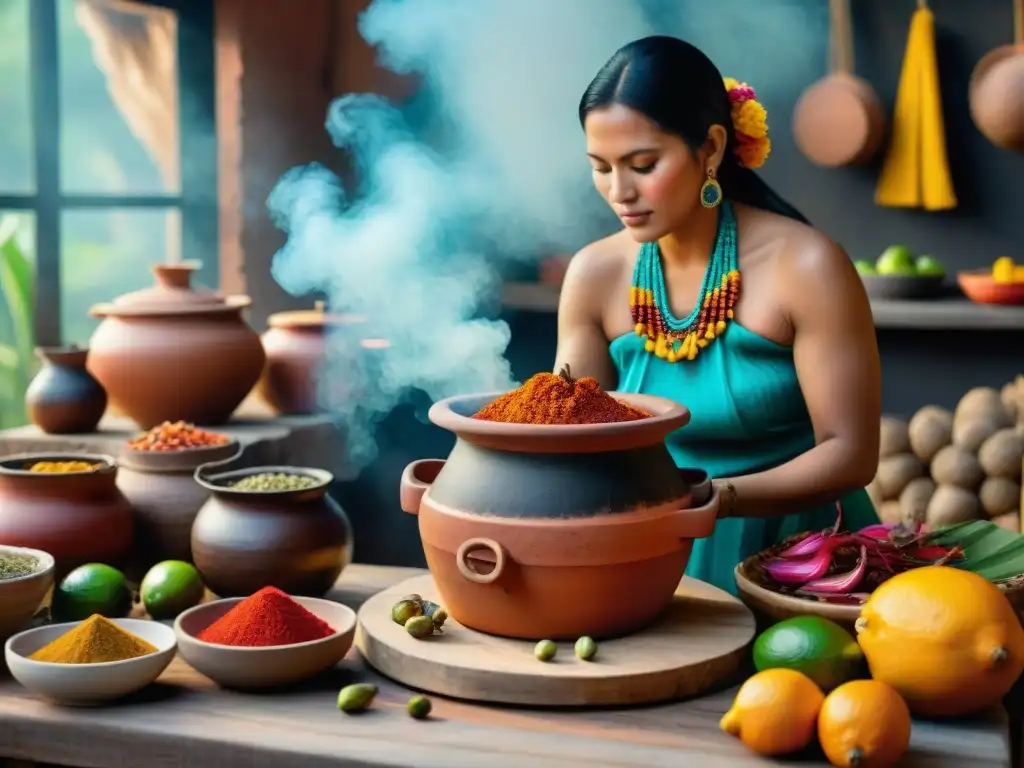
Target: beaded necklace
pixel 669 337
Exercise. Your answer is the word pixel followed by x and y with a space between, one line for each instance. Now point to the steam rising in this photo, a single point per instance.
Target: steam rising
pixel 487 167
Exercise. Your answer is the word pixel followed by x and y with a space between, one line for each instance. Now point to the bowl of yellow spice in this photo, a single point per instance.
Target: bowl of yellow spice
pixel 91 661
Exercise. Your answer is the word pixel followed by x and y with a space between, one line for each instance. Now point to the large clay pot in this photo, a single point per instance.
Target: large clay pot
pixel 64 398
pixel 242 541
pixel 296 347
pixel 558 531
pixel 166 497
pixel 173 352
pixel 78 517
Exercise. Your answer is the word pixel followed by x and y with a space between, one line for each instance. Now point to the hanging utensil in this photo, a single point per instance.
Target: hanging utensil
pixel 915 173
pixel 839 120
pixel 997 90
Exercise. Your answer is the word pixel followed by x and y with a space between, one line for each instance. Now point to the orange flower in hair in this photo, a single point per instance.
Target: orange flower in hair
pixel 749 123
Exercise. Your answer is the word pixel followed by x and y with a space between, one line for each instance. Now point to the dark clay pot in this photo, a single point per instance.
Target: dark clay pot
pixel 166 497
pixel 538 531
pixel 242 541
pixel 64 398
pixel 78 517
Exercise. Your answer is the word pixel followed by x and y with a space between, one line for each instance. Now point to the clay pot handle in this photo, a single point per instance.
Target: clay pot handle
pixel 699 521
pixel 416 479
pixel 471 574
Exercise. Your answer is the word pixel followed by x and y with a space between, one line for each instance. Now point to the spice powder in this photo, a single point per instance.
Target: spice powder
pixel 265 618
pixel 95 641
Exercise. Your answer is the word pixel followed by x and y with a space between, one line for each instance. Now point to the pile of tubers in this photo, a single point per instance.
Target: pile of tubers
pixel 948 467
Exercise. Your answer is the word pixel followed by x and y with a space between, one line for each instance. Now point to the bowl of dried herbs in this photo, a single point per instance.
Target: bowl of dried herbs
pixel 26 575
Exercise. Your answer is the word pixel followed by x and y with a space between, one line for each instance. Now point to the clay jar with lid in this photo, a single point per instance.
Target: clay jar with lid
pixel 296 347
pixel 552 531
pixel 166 498
pixel 174 352
pixel 64 398
pixel 296 540
pixel 78 517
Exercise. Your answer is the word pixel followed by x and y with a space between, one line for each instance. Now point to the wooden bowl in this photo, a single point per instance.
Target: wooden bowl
pixel 20 598
pixel 85 684
pixel 770 605
pixel 902 286
pixel 268 666
pixel 979 286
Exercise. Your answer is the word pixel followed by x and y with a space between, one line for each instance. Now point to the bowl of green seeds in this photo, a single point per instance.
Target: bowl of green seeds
pixel 26 575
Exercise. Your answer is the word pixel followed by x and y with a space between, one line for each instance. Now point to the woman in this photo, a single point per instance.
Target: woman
pixel 782 376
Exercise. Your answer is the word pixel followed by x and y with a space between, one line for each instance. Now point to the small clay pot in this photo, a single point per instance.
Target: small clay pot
pixel 78 517
pixel 296 348
pixel 997 96
pixel 166 497
pixel 242 541
pixel 549 531
pixel 173 352
pixel 64 398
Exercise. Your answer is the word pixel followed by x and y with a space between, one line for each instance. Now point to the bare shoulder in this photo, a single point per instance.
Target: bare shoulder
pixel 596 268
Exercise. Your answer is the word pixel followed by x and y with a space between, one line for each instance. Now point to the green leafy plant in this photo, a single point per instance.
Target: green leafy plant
pixel 16 285
pixel 989 551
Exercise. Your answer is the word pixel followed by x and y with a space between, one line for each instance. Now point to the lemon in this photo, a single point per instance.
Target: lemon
pixel 91 588
pixel 775 712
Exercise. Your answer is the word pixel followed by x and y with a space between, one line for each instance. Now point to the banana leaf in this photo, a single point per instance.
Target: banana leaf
pixel 17 284
pixel 989 550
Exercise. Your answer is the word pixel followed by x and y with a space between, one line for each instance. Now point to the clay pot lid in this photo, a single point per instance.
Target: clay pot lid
pixel 456 415
pixel 317 317
pixel 173 294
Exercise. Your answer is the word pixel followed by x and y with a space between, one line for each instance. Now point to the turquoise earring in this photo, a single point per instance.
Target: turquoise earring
pixel 710 191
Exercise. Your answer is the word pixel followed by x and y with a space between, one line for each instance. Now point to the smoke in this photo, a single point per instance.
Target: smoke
pixel 484 169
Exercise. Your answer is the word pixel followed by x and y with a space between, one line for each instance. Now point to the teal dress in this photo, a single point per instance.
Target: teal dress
pixel 747 414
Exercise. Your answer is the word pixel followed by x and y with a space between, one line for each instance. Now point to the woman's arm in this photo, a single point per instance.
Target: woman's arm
pixel 581 339
pixel 836 356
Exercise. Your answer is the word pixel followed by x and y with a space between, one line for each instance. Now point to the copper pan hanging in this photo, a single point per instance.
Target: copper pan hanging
pixel 839 120
pixel 997 90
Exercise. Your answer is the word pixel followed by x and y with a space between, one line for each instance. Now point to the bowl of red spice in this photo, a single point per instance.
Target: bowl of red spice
pixel 176 446
pixel 266 639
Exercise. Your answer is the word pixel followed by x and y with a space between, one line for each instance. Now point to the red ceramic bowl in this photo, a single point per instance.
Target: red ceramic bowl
pixel 979 286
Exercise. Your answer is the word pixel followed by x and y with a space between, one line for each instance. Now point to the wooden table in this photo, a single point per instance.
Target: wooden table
pixel 184 721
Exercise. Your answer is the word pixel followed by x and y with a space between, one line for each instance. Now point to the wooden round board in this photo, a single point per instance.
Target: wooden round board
pixel 699 644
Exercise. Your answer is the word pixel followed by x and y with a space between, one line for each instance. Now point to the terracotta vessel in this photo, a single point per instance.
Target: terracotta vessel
pixel 173 352
pixel 166 498
pixel 558 531
pixel 997 95
pixel 78 517
pixel 296 346
pixel 64 398
pixel 242 541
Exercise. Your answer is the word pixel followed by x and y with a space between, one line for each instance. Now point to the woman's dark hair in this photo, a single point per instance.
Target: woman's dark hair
pixel 675 85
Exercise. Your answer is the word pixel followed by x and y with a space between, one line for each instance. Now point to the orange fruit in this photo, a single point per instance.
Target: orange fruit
pixel 864 724
pixel 947 640
pixel 775 712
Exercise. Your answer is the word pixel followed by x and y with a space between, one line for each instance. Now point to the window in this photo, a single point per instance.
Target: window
pixel 107 149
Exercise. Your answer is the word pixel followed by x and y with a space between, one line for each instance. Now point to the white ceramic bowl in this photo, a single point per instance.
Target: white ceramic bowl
pixel 83 684
pixel 20 598
pixel 264 667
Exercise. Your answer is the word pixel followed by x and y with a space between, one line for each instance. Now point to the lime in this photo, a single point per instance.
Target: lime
pixel 929 265
pixel 864 267
pixel 170 587
pixel 91 588
pixel 896 260
pixel 817 647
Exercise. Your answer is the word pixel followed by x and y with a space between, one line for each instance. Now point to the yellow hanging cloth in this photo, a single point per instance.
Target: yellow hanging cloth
pixel 916 171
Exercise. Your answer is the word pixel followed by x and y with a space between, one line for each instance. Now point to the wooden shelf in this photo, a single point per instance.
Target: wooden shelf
pixel 945 314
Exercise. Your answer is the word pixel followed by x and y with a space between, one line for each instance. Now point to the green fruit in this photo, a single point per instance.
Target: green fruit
pixel 356 697
pixel 170 587
pixel 419 707
pixel 91 588
pixel 420 627
pixel 864 267
pixel 404 610
pixel 929 265
pixel 585 648
pixel 545 650
pixel 819 648
pixel 896 260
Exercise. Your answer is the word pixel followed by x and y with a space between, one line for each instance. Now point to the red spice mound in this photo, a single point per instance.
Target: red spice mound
pixel 267 617
pixel 549 398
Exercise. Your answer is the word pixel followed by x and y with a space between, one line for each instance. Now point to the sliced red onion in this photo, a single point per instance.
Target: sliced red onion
pixel 840 583
pixel 807 546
